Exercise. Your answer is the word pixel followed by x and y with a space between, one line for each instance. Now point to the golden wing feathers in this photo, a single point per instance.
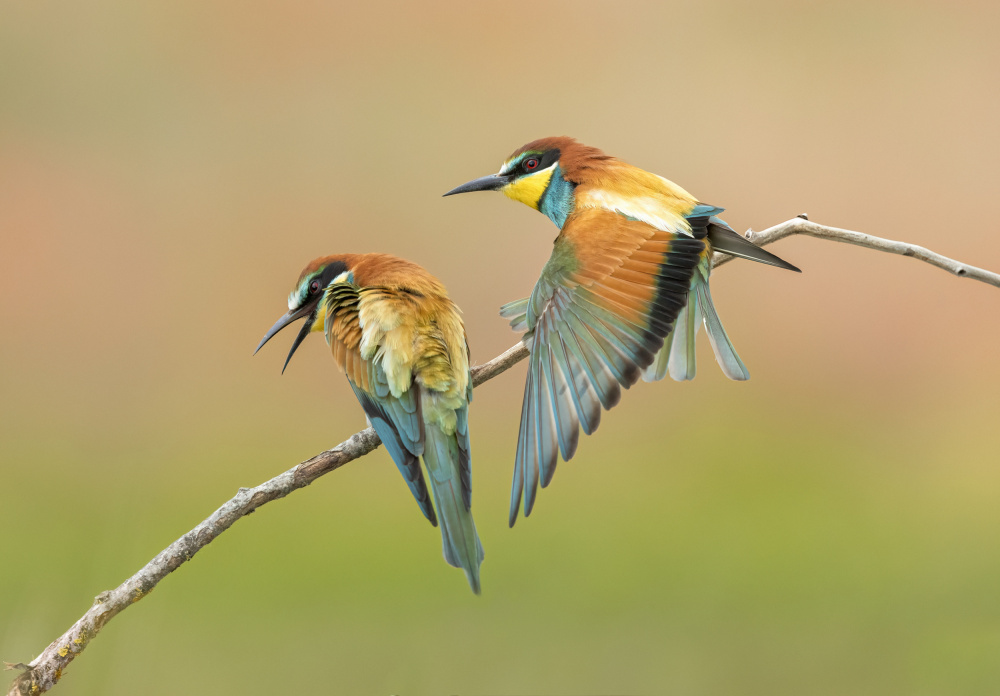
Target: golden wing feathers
pixel 606 300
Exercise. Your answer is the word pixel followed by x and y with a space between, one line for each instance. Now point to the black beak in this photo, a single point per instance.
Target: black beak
pixel 493 182
pixel 287 319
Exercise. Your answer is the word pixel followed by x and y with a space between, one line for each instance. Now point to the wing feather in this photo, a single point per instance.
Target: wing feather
pixel 517 313
pixel 598 316
pixel 545 420
pixel 397 420
pixel 567 423
pixel 587 406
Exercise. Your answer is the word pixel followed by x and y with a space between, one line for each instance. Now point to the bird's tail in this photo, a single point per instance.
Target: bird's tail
pixel 448 467
pixel 678 353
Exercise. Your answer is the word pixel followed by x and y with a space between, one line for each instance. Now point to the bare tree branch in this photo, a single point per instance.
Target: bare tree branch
pixel 46 669
pixel 801 225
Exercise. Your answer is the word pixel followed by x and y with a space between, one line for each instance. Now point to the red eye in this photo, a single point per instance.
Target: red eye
pixel 530 164
pixel 314 286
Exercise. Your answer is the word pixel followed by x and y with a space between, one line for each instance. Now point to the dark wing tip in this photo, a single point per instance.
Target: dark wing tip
pixel 728 241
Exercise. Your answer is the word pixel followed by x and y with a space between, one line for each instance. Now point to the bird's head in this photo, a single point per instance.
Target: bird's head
pixel 305 301
pixel 528 173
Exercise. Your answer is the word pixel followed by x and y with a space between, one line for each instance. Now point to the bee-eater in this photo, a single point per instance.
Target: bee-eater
pixel 401 342
pixel 631 262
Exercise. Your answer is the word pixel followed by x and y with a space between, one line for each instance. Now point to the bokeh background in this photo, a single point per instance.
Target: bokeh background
pixel 830 527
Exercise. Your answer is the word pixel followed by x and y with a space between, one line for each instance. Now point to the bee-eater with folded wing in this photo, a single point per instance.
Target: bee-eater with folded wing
pixel 401 342
pixel 631 262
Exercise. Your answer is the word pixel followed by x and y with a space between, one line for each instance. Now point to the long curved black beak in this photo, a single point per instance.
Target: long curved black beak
pixel 285 321
pixel 493 182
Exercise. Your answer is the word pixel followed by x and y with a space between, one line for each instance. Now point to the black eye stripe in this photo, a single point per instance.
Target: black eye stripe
pixel 324 278
pixel 548 159
pixel 544 160
pixel 331 272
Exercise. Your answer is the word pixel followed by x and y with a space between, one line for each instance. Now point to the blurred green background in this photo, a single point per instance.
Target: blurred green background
pixel 830 527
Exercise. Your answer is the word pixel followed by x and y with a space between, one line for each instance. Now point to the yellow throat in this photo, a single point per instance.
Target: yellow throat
pixel 529 189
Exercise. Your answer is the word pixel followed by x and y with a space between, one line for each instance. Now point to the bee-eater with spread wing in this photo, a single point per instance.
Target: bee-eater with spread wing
pixel 630 264
pixel 401 342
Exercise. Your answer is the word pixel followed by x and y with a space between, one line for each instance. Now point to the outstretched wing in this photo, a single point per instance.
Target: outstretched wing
pixel 396 419
pixel 599 313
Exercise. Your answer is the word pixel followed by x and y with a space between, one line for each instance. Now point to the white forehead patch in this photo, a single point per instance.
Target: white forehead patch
pixel 510 164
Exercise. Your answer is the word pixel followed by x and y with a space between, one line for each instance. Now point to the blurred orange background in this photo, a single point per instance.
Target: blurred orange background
pixel 830 527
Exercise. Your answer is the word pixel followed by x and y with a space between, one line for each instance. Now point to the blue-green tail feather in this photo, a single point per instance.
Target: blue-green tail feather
pixel 447 468
pixel 725 352
pixel 678 353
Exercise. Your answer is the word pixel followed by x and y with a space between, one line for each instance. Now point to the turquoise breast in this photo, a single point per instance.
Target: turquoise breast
pixel 557 201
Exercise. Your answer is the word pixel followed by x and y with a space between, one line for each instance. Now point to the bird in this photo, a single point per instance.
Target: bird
pixel 620 298
pixel 401 342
